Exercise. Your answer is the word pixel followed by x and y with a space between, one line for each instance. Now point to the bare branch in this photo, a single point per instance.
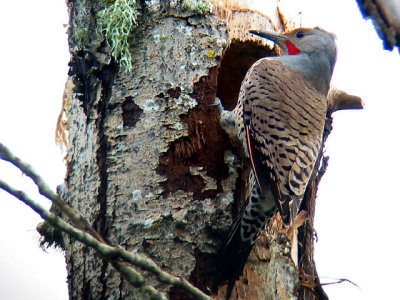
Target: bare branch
pixel 149 265
pixel 46 191
pixel 117 256
pixel 340 280
pixel 133 277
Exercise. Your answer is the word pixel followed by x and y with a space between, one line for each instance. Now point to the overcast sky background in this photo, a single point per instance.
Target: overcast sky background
pixel 34 57
pixel 358 205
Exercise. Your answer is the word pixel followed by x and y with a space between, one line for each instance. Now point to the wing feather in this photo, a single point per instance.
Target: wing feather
pixel 284 118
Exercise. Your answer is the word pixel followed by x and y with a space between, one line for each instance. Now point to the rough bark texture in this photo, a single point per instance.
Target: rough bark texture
pixel 146 154
pixel 149 165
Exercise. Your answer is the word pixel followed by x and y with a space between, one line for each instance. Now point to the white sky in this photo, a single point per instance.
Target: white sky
pixel 357 208
pixel 33 71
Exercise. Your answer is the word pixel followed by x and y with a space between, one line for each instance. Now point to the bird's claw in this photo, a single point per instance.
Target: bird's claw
pixel 217 103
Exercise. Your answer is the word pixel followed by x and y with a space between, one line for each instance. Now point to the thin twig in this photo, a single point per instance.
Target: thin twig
pixel 46 191
pixel 117 256
pixel 164 277
pixel 339 280
pixel 133 277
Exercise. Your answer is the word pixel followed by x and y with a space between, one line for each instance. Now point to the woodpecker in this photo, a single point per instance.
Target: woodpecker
pixel 279 119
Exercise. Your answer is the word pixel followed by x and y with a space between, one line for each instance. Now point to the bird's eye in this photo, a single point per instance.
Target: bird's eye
pixel 300 34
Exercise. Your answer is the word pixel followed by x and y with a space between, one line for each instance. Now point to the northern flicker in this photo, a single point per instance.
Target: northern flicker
pixel 279 119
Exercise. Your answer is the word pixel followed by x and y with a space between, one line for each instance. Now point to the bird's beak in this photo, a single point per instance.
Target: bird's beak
pixel 278 39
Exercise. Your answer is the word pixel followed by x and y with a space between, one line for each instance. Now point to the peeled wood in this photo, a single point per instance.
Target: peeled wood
pixel 338 100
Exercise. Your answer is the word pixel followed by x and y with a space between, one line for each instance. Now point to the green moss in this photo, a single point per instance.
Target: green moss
pixel 80 36
pixel 211 54
pixel 116 22
pixel 156 224
pixel 214 217
pixel 197 6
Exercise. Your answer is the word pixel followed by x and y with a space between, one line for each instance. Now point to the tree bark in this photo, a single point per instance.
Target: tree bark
pixel 149 165
pixel 385 15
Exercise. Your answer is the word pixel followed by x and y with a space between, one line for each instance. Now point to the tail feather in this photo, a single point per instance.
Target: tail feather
pixel 232 256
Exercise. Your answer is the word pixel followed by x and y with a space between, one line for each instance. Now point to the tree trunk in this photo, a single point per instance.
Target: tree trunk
pixel 148 162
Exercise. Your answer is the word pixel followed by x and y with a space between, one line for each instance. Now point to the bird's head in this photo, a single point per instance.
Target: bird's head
pixel 308 51
pixel 303 40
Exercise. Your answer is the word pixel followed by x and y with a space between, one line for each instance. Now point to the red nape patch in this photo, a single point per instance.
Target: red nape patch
pixel 292 50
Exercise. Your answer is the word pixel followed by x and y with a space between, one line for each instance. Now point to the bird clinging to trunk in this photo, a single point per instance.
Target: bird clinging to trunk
pixel 279 119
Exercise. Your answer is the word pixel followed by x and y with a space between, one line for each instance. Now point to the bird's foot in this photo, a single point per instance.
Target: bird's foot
pixel 217 103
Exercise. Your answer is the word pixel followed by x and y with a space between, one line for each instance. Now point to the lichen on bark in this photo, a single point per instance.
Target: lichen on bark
pixel 148 163
pixel 125 130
